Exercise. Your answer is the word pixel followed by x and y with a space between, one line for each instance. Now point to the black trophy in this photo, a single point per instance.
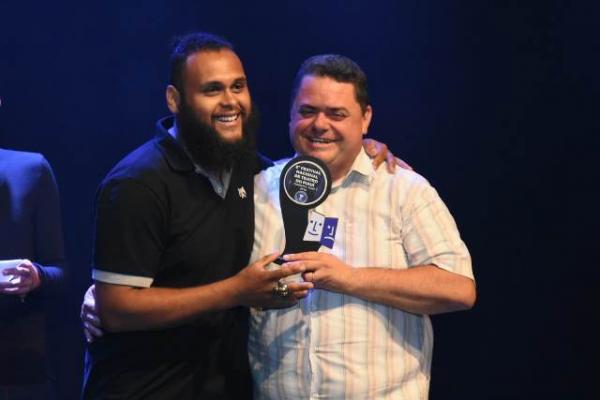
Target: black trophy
pixel 305 183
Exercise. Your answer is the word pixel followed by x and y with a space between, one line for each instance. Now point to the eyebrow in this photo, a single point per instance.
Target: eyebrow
pixel 212 84
pixel 240 80
pixel 327 109
pixel 219 84
pixel 337 109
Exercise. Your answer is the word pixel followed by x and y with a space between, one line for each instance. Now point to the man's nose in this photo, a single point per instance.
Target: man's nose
pixel 321 123
pixel 228 98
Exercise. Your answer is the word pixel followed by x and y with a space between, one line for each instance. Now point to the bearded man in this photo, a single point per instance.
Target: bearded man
pixel 174 226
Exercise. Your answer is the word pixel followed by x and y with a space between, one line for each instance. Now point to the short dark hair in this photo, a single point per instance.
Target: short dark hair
pixel 339 68
pixel 188 44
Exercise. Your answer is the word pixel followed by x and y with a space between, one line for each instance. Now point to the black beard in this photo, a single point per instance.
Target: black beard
pixel 207 148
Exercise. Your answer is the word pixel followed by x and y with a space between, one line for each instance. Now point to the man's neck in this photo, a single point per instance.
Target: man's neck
pixel 339 172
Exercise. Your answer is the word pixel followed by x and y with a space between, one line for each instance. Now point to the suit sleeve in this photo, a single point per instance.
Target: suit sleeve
pixel 48 234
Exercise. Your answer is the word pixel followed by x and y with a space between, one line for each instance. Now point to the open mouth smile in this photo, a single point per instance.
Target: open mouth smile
pixel 320 140
pixel 227 119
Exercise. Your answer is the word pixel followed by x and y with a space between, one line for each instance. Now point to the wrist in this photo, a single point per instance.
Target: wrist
pixel 233 295
pixel 354 280
pixel 36 277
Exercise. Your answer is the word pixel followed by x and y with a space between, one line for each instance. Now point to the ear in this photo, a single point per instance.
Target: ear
pixel 366 119
pixel 173 99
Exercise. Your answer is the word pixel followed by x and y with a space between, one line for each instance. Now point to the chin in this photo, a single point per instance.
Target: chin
pixel 230 137
pixel 322 154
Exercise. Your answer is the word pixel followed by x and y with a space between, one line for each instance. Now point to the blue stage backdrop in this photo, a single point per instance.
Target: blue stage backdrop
pixel 491 101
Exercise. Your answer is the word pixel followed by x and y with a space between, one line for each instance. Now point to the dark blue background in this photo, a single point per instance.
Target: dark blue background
pixel 492 101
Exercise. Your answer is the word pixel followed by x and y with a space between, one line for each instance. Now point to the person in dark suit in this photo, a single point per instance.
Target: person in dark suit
pixel 31 236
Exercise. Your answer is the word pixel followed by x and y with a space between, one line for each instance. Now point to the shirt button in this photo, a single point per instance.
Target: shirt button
pixel 219 190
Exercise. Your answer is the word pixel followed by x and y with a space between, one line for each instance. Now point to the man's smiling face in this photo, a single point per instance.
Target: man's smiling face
pixel 327 122
pixel 215 90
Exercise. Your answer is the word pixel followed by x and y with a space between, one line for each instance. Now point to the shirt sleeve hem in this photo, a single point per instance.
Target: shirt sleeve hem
pixel 121 279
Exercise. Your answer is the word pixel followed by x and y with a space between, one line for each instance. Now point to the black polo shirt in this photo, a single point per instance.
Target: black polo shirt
pixel 159 223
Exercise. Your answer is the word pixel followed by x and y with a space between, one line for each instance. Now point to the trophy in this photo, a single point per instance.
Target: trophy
pixel 305 183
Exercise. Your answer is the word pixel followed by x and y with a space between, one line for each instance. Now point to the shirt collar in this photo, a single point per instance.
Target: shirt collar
pixel 361 171
pixel 174 153
pixel 219 182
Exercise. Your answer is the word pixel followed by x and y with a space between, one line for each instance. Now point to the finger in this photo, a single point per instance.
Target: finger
pixel 88 337
pixel 299 265
pixel 309 268
pixel 391 163
pixel 25 263
pixel 24 268
pixel 18 271
pixel 266 260
pixel 92 330
pixel 382 152
pixel 402 164
pixel 82 313
pixel 6 285
pixel 21 285
pixel 309 277
pixel 14 290
pixel 10 271
pixel 92 319
pixel 300 286
pixel 308 265
pixel 89 304
pixel 370 147
pixel 300 295
pixel 288 270
pixel 307 255
pixel 25 279
pixel 89 300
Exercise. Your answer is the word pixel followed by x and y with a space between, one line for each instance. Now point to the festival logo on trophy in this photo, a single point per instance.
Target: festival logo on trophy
pixel 305 183
pixel 320 229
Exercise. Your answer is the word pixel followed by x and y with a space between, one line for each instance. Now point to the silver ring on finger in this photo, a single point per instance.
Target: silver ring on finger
pixel 281 289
